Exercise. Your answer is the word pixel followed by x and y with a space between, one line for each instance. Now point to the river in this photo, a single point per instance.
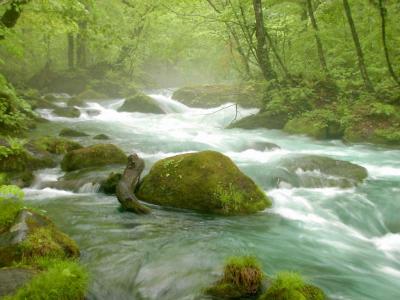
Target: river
pixel 347 241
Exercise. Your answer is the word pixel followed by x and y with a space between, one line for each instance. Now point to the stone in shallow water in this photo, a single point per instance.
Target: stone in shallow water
pixel 11 279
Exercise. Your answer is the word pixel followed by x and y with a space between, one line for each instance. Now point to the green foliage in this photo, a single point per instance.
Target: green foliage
pixel 60 279
pixel 11 202
pixel 15 113
pixel 14 147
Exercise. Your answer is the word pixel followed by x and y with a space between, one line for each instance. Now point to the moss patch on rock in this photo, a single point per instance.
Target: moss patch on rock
pixel 93 156
pixel 103 137
pixel 206 181
pixel 291 286
pixel 91 95
pixel 141 103
pixel 242 278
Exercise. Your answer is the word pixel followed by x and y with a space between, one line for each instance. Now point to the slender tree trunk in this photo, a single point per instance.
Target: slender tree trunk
pixel 383 12
pixel 357 44
pixel 81 46
pixel 71 51
pixel 321 54
pixel 262 46
pixel 278 57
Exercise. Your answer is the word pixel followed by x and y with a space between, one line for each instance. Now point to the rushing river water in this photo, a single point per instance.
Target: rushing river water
pixel 347 241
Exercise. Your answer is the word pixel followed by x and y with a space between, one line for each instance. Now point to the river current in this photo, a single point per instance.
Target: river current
pixel 347 241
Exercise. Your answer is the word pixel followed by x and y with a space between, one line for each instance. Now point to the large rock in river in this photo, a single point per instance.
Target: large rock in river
pixel 205 181
pixel 93 156
pixel 320 171
pixel 262 120
pixel 207 96
pixel 141 103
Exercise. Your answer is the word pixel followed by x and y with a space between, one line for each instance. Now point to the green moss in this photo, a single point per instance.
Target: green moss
pixel 93 156
pixel 56 145
pixel 141 103
pixel 319 124
pixel 206 181
pixel 76 101
pixel 242 278
pixel 48 242
pixel 101 137
pixel 60 279
pixel 291 286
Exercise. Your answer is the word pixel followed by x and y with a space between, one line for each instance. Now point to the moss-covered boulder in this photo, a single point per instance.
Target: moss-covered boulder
pixel 320 171
pixel 17 156
pixel 90 94
pixel 93 156
pixel 291 286
pixel 319 124
pixel 262 120
pixel 69 132
pixel 376 122
pixel 206 181
pixel 55 145
pixel 141 103
pixel 207 96
pixel 242 279
pixel 76 101
pixel 31 236
pixel 67 112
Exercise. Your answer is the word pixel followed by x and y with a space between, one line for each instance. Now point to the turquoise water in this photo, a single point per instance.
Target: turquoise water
pixel 347 241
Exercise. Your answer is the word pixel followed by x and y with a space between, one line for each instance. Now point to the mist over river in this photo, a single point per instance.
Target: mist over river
pixel 346 241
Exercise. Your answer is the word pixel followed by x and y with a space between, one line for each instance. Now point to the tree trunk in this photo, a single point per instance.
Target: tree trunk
pixel 383 12
pixel 357 44
pixel 71 51
pixel 321 54
pixel 262 46
pixel 81 46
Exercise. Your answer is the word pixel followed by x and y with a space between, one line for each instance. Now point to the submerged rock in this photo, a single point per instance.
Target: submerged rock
pixel 262 120
pixel 93 156
pixel 68 132
pixel 141 103
pixel 262 146
pixel 207 96
pixel 31 236
pixel 320 171
pixel 101 137
pixel 206 181
pixel 11 279
pixel 67 112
